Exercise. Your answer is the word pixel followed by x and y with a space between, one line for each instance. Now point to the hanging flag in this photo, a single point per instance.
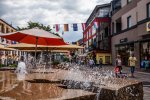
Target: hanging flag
pixel 13 42
pixel 83 26
pixel 96 25
pixel 66 28
pixel 57 26
pixel 75 27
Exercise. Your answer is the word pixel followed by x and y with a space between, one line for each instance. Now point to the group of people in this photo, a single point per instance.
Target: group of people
pixel 9 59
pixel 132 62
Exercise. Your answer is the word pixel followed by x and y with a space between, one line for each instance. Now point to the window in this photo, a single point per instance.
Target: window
pixel 128 1
pixel 129 22
pixel 148 10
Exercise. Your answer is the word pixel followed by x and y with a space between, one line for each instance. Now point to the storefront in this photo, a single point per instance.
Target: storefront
pixel 144 50
pixel 125 50
pixel 106 58
pixel 145 45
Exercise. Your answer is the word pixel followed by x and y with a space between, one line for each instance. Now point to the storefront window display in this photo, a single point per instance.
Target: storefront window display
pixel 145 50
pixel 125 51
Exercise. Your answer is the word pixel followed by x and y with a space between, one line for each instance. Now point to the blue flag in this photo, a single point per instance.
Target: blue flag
pixel 75 27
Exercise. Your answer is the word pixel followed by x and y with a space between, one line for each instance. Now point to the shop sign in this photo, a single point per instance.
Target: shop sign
pixel 148 26
pixel 123 40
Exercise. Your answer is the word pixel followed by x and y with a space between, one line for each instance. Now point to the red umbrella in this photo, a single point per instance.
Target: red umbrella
pixel 34 36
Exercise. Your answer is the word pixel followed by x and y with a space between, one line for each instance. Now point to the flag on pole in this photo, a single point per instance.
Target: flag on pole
pixel 57 27
pixel 66 28
pixel 96 25
pixel 83 26
pixel 75 27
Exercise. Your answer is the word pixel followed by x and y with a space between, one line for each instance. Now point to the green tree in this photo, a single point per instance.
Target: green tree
pixel 36 24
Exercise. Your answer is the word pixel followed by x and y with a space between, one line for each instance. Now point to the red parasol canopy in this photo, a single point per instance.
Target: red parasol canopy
pixel 34 36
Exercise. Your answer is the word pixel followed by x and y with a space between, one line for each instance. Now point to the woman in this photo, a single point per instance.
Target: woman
pixel 118 65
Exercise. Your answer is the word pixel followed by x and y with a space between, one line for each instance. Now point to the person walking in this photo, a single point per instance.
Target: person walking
pixel 100 62
pixel 91 63
pixel 132 63
pixel 118 69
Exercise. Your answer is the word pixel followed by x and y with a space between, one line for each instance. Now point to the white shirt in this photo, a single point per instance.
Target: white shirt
pixel 119 62
pixel 21 68
pixel 91 62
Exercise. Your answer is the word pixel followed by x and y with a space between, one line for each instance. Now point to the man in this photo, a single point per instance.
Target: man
pixel 132 64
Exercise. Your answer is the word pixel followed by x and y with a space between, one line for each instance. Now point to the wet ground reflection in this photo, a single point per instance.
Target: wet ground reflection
pixel 11 88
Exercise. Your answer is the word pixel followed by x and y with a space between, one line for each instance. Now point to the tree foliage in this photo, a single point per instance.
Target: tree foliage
pixel 36 24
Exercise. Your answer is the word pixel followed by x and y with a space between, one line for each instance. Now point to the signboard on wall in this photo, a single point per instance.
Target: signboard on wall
pixel 148 26
pixel 124 40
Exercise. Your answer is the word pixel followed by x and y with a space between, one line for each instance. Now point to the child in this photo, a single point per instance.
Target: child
pixel 118 64
pixel 116 71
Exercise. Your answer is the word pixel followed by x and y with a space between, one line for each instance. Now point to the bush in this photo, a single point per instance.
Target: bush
pixel 66 59
pixel 13 65
pixel 2 65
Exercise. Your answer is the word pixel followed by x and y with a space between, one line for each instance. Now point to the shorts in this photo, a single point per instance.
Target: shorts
pixel 132 68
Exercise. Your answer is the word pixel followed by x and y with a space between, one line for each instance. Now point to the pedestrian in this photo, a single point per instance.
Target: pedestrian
pixel 145 63
pixel 100 62
pixel 118 68
pixel 91 63
pixel 132 63
pixel 21 68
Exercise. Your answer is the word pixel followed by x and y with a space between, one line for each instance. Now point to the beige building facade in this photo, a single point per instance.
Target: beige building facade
pixel 129 30
pixel 4 29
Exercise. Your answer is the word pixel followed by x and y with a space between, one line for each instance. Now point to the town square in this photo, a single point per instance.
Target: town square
pixel 74 49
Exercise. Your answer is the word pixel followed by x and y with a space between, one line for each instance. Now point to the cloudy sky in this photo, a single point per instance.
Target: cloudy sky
pixel 49 12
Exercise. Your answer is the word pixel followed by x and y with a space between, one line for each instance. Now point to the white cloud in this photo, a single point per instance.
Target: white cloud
pixel 19 12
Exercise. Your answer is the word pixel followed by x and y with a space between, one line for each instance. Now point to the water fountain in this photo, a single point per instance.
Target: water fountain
pixel 69 81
